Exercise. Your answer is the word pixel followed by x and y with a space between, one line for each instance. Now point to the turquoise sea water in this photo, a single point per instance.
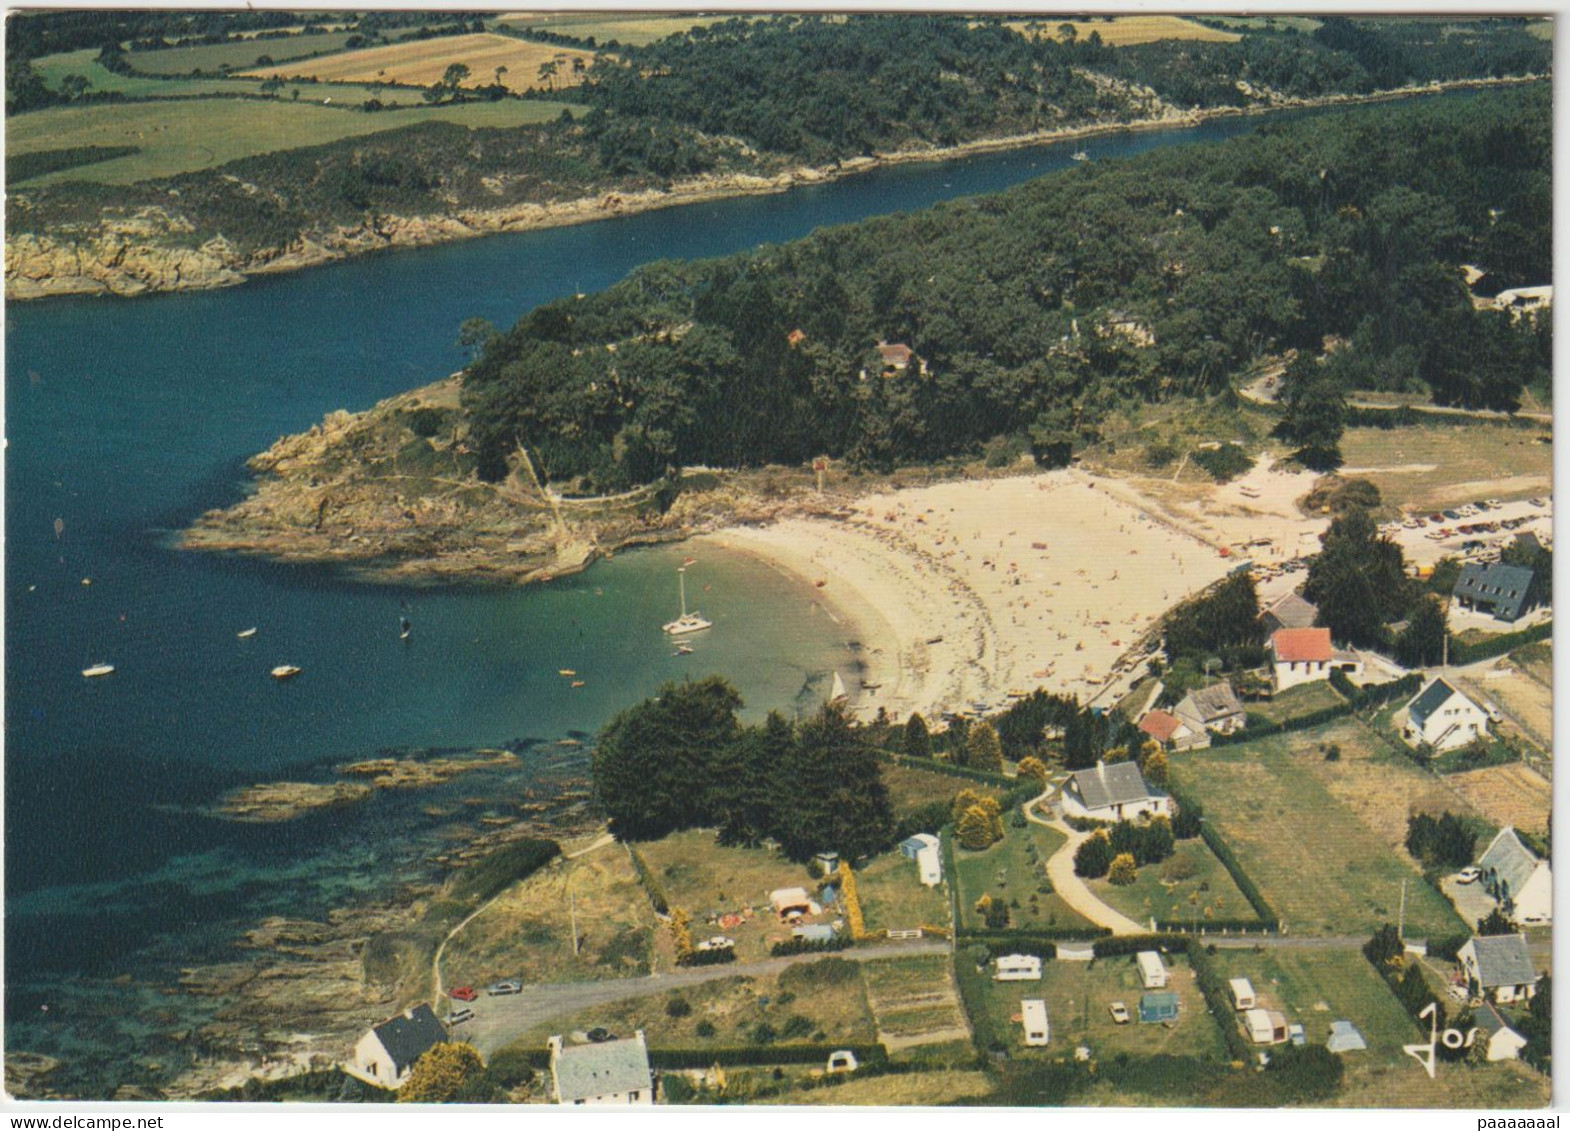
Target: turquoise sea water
pixel 126 418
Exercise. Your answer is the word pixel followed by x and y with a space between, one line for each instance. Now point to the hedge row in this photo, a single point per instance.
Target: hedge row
pixel 810 946
pixel 1215 926
pixel 1219 1001
pixel 651 886
pixel 1133 944
pixel 714 956
pixel 1375 694
pixel 1499 645
pixel 738 1055
pixel 1213 839
pixel 1260 727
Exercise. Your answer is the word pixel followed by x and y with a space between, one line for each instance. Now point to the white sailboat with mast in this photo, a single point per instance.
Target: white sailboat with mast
pixel 687 622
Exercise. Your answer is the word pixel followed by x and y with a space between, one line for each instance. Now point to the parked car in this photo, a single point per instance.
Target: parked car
pixel 459 1016
pixel 1119 1013
pixel 1451 515
pixel 1492 712
pixel 462 993
pixel 1469 875
pixel 500 989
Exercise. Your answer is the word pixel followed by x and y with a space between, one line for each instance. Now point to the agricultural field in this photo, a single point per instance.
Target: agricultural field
pixel 1078 996
pixel 629 28
pixel 892 896
pixel 1124 31
pixel 1508 795
pixel 1522 694
pixel 828 1004
pixel 185 136
pixel 1303 24
pixel 915 1002
pixel 1317 837
pixel 53 68
pixel 423 62
pixel 1294 701
pixel 237 55
pixel 527 932
pixel 1190 886
pixel 1014 869
pixel 711 881
pixel 1435 465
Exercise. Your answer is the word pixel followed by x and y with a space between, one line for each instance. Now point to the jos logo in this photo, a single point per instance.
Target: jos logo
pixel 1453 1039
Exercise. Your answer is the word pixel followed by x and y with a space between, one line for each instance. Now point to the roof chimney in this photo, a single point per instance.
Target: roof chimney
pixel 1101 769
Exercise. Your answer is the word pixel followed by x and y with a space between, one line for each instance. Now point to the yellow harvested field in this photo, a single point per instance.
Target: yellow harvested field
pixel 1509 795
pixel 424 62
pixel 1124 31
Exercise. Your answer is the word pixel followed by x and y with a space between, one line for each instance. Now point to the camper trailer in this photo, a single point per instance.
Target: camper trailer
pixel 1242 994
pixel 1034 1015
pixel 1151 969
pixel 1018 968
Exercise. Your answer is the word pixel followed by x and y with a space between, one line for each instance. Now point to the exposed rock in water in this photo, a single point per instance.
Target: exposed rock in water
pixel 25 1074
pixel 286 800
pixel 400 773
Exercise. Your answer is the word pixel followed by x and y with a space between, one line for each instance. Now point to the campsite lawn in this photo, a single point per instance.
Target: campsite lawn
pixel 892 896
pixel 1008 870
pixel 183 136
pixel 1190 886
pixel 707 880
pixel 1078 996
pixel 1318 837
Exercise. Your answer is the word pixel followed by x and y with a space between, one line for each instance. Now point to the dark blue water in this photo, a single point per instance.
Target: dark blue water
pixel 127 418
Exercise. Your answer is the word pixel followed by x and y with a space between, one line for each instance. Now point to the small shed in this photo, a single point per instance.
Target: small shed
pixel 791 903
pixel 1242 994
pixel 1162 1006
pixel 1344 1037
pixel 1153 973
pixel 1033 1014
pixel 1265 1026
pixel 1017 968
pixel 930 864
pixel 911 846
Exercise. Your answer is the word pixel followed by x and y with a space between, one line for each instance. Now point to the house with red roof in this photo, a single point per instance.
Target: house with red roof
pixel 1303 655
pixel 1169 730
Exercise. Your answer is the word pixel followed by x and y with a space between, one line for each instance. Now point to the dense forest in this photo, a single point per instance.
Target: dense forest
pixel 1032 312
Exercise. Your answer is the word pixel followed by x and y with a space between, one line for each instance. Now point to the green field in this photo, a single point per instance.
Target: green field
pixel 1007 871
pixel 53 68
pixel 911 787
pixel 1191 887
pixel 1325 870
pixel 186 136
pixel 238 55
pixel 1294 701
pixel 1078 996
pixel 892 896
pixel 1436 464
pixel 628 28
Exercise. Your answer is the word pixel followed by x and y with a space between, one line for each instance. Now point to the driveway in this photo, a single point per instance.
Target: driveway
pixel 1070 888
pixel 500 1020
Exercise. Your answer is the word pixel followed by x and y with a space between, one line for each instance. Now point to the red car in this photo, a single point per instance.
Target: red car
pixel 462 993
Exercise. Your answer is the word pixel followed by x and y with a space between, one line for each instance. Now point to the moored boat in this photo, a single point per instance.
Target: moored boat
pixel 98 670
pixel 285 671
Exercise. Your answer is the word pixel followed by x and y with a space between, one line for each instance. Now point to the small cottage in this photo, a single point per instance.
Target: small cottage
pixel 1442 718
pixel 1504 592
pixel 1168 729
pixel 1209 709
pixel 603 1073
pixel 1300 655
pixel 1499 967
pixel 1500 1041
pixel 1521 883
pixel 386 1054
pixel 1288 611
pixel 1117 792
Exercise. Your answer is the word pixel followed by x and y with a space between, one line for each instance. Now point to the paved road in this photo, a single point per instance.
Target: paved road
pixel 498 1021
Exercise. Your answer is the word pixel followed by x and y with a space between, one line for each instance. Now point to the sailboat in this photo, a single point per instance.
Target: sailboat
pixel 687 622
pixel 837 692
pixel 404 628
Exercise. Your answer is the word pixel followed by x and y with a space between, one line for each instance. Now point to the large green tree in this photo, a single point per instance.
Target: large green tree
pixel 1358 580
pixel 836 797
pixel 1315 409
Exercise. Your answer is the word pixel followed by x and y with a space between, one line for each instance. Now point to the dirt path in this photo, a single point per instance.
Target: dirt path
pixel 1060 870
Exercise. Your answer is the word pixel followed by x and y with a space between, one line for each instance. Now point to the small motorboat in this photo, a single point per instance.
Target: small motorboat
pixel 285 671
pixel 98 670
pixel 566 672
pixel 246 633
pixel 1081 156
pixel 577 683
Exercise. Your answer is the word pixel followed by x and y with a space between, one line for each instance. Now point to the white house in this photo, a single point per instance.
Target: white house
pixel 1033 1015
pixel 1113 793
pixel 1499 966
pixel 1242 994
pixel 1443 718
pixel 1500 1041
pixel 1017 968
pixel 1151 971
pixel 1215 709
pixel 609 1072
pixel 929 862
pixel 1523 884
pixel 1300 655
pixel 385 1055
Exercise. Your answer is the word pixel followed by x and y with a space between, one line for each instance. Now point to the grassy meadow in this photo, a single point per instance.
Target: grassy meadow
pixel 1190 886
pixel 236 55
pixel 423 62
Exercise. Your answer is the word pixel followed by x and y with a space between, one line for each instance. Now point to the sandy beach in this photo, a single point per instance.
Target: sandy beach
pixel 963 592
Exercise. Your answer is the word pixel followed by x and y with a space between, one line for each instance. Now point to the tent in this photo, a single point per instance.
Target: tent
pixel 1158 1007
pixel 1344 1037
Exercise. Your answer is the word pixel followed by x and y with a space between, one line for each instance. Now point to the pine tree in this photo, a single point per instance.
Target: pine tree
pixel 1156 768
pixel 918 742
pixel 983 750
pixel 838 801
pixel 978 829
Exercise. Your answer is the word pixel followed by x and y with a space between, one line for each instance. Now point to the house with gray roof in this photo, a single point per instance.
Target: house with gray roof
pixel 1289 611
pixel 1499 967
pixel 1209 709
pixel 604 1072
pixel 1500 1041
pixel 1505 592
pixel 386 1054
pixel 1117 792
pixel 1522 883
pixel 1442 718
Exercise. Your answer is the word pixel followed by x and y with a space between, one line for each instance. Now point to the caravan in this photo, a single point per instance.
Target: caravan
pixel 1151 970
pixel 1018 968
pixel 1034 1015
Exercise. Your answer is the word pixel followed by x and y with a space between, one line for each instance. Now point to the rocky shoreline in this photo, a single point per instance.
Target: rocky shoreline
pixel 127 256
